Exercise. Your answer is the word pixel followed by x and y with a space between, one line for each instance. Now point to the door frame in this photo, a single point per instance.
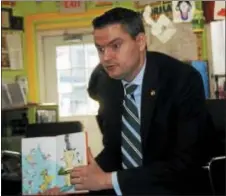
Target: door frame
pixel 48 21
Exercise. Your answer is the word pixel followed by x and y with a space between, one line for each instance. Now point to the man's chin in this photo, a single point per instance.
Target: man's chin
pixel 115 76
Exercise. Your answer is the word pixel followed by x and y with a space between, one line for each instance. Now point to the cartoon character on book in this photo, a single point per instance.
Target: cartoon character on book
pixel 78 158
pixel 68 158
pixel 47 179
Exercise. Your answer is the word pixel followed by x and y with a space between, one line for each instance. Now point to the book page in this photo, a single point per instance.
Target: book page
pixel 38 164
pixel 71 152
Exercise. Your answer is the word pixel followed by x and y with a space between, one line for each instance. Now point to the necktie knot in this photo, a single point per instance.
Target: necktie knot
pixel 130 88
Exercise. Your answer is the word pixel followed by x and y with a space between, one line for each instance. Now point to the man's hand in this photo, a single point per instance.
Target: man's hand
pixel 90 177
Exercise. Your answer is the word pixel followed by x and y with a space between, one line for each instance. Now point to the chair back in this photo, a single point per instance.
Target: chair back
pixel 217 112
pixel 217 175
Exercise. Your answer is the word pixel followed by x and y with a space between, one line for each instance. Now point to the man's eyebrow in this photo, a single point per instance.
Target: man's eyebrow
pixel 111 42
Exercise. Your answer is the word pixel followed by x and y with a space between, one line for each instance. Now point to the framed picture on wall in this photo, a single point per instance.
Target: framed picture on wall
pixel 6 15
pixel 11 50
pixel 17 23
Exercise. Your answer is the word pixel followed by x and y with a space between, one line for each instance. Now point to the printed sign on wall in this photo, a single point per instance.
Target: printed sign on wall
pixel 183 11
pixel 157 8
pixel 68 6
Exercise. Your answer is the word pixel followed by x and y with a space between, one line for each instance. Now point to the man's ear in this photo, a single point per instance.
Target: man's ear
pixel 142 41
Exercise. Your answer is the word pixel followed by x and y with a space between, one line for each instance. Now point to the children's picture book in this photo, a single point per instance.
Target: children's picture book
pixel 47 161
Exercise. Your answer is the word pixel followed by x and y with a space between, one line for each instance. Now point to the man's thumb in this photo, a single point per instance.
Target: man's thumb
pixel 90 156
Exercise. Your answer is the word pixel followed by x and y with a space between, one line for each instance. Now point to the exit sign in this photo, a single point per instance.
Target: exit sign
pixel 69 6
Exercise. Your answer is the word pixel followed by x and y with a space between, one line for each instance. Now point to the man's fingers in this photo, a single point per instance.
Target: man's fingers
pixel 75 173
pixel 76 181
pixel 78 168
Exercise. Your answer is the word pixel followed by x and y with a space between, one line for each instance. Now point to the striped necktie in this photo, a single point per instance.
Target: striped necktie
pixel 131 140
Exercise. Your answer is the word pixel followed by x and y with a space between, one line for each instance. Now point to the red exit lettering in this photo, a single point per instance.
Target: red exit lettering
pixel 72 4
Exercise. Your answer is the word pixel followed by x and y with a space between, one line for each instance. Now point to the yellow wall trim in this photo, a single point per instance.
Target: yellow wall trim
pixel 37 22
pixel 77 24
pixel 30 57
pixel 60 16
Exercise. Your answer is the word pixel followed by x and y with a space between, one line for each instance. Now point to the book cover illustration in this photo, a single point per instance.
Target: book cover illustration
pixel 47 161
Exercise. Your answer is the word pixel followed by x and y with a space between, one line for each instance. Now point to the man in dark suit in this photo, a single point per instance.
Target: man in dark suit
pixel 154 115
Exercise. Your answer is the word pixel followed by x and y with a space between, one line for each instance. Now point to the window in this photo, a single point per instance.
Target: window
pixel 74 65
pixel 67 66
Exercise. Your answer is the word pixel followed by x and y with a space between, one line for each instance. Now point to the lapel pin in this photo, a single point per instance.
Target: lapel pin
pixel 152 93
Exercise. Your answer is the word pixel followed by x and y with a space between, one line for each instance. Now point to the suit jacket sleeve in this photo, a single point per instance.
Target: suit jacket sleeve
pixel 108 158
pixel 190 106
pixel 108 162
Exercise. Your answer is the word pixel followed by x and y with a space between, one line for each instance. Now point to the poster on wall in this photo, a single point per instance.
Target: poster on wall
pixel 162 28
pixel 157 8
pixel 161 7
pixel 219 10
pixel 4 52
pixel 183 40
pixel 14 42
pixel 183 11
pixel 218 47
pixel 12 56
pixel 202 68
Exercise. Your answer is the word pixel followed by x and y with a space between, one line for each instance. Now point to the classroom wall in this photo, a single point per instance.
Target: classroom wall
pixel 41 16
pixel 45 15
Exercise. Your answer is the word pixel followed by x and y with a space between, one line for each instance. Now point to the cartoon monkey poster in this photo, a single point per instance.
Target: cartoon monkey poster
pixel 183 11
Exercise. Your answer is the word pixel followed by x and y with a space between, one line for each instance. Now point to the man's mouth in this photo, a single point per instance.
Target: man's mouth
pixel 110 67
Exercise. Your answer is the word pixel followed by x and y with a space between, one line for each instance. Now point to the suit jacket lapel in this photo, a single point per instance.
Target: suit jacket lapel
pixel 149 96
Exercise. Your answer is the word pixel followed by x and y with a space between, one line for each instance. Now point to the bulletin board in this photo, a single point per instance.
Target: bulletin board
pixel 183 45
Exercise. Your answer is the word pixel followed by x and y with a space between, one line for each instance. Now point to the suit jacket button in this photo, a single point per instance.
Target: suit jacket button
pixel 152 93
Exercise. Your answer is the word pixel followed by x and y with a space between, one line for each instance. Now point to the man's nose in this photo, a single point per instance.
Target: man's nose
pixel 108 54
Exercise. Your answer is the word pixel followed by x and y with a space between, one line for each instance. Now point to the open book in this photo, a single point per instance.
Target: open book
pixel 47 161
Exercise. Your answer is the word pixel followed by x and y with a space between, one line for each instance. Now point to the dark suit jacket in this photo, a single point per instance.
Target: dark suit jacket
pixel 98 83
pixel 173 128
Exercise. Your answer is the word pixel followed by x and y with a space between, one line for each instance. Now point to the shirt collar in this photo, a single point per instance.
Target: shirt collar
pixel 138 79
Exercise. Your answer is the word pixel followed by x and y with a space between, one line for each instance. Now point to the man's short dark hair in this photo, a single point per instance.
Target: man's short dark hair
pixel 130 20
